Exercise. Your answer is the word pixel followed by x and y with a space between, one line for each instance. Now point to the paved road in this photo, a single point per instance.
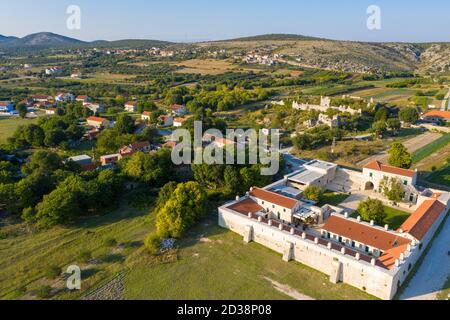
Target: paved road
pixel 412 145
pixel 445 101
pixel 434 271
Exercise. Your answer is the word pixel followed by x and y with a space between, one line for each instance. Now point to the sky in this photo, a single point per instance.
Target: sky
pixel 201 20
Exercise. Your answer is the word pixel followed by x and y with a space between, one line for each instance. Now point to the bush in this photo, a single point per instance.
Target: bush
pixel 43 292
pixel 53 272
pixel 153 244
pixel 85 256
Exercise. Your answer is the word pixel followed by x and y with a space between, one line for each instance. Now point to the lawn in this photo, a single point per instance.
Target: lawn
pixel 332 198
pixel 9 124
pixel 431 148
pixel 214 263
pixel 440 176
pixel 201 267
pixel 394 217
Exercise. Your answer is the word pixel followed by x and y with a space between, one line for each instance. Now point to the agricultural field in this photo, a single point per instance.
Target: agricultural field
pixel 206 66
pixel 9 124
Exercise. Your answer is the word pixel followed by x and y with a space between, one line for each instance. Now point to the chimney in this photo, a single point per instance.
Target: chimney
pixel 400 230
pixel 346 215
pixel 372 223
pixel 386 227
pixel 250 215
pixel 251 189
pixel 359 218
pixel 237 198
pixel 259 219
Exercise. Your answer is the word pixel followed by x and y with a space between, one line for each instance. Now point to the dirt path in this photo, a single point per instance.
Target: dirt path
pixel 288 290
pixel 412 145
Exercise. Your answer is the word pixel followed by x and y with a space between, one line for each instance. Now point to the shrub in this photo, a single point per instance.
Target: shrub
pixel 53 272
pixel 153 244
pixel 43 292
pixel 313 193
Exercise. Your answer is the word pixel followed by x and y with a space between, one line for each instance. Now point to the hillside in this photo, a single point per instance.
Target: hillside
pixel 4 39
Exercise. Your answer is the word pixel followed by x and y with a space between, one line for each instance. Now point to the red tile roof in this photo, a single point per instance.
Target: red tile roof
pixel 437 114
pixel 97 119
pixel 246 206
pixel 423 219
pixel 378 166
pixel 371 236
pixel 177 107
pixel 131 103
pixel 274 198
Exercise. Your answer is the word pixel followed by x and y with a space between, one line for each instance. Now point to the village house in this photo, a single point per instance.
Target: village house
pixel 131 106
pixel 6 106
pixel 98 122
pixel 110 159
pixel 54 71
pixel 96 108
pixel 64 97
pixel 41 98
pixel 129 150
pixel 83 99
pixel 178 122
pixel 166 121
pixel 179 110
pixel 436 116
pixel 50 112
pixel 373 258
pixel 84 161
pixel 146 116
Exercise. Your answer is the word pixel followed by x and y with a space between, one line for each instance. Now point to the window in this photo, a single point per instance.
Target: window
pixel 405 183
pixel 371 175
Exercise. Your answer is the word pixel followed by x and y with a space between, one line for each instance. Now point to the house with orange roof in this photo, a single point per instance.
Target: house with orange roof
pixel 131 106
pixel 436 116
pixel 97 122
pixel 375 172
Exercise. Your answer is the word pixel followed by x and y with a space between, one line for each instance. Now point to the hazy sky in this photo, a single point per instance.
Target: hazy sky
pixel 195 20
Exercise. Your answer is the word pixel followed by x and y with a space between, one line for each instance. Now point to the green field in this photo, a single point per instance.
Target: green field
pixel 8 125
pixel 333 198
pixel 440 176
pixel 394 217
pixel 431 148
pixel 210 263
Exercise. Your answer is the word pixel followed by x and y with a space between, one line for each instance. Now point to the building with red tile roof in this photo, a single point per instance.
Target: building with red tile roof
pixel 436 116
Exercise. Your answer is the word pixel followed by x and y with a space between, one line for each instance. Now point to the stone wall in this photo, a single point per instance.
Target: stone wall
pixel 340 267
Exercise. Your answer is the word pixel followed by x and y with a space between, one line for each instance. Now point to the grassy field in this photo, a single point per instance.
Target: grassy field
pixel 206 66
pixel 332 198
pixel 200 268
pixel 431 148
pixel 394 217
pixel 440 176
pixel 9 124
pixel 214 263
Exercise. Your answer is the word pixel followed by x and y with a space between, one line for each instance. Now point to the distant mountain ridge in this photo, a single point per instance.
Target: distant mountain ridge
pixel 6 38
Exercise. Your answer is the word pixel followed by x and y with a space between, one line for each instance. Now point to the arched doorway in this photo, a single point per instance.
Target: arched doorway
pixel 369 186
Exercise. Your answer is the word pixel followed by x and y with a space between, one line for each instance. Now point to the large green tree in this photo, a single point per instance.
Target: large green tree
pixel 372 209
pixel 399 156
pixel 409 115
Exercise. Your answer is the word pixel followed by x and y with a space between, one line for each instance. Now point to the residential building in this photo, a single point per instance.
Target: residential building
pixel 129 150
pixel 436 116
pixel 83 99
pixel 110 159
pixel 50 112
pixel 6 106
pixel 98 122
pixel 179 110
pixel 146 116
pixel 41 98
pixel 84 161
pixel 65 97
pixel 54 71
pixel 166 121
pixel 178 122
pixel 96 108
pixel 131 106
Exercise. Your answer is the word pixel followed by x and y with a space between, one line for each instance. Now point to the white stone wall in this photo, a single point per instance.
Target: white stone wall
pixel 360 274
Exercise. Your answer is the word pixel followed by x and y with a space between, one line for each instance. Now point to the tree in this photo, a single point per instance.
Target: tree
pixel 394 125
pixel 372 209
pixel 124 124
pixel 381 115
pixel 7 172
pixel 399 156
pixel 393 189
pixel 22 109
pixel 44 161
pixel 379 128
pixel 53 138
pixel 186 206
pixel 231 179
pixel 409 115
pixel 313 193
pixel 152 243
pixel 302 142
